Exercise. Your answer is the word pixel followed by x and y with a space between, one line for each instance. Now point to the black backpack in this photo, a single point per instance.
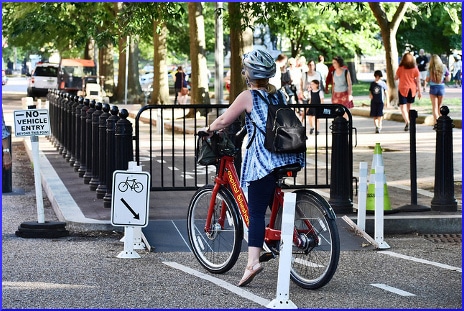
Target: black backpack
pixel 284 131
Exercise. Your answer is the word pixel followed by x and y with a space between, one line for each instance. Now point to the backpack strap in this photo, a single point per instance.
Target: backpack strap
pixel 267 101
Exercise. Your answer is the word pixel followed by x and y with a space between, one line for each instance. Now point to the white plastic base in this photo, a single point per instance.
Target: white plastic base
pixel 128 254
pixel 281 304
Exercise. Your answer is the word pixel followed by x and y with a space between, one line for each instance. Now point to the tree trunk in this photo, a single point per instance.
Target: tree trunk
pixel 160 93
pixel 388 30
pixel 240 43
pixel 198 77
pixel 106 69
pixel 133 85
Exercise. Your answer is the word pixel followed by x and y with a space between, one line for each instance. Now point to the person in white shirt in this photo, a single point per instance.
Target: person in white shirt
pixel 280 62
pixel 457 71
pixel 322 69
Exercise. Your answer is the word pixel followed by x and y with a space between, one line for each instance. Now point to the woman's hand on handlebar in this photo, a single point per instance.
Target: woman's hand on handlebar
pixel 204 132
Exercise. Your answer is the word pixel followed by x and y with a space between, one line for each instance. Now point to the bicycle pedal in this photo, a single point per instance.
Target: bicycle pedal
pixel 266 257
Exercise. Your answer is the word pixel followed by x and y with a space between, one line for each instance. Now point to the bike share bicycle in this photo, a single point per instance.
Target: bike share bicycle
pixel 217 222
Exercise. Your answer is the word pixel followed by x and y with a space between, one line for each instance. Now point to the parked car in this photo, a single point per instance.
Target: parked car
pixel 4 78
pixel 146 78
pixel 43 77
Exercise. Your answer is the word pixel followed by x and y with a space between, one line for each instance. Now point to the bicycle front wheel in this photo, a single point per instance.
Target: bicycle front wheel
pixel 217 246
pixel 315 261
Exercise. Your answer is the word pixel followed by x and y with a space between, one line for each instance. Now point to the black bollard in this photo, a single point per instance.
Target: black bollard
pixel 413 207
pixel 340 179
pixel 88 143
pixel 51 108
pixel 123 141
pixel 101 188
pixel 110 154
pixel 59 145
pixel 443 198
pixel 83 168
pixel 77 136
pixel 75 104
pixel 68 127
pixel 95 180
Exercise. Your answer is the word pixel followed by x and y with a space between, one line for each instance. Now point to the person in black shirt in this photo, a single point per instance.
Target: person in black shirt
pixel 315 96
pixel 377 94
pixel 422 62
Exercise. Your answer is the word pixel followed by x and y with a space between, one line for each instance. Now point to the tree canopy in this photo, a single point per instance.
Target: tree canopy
pixel 328 28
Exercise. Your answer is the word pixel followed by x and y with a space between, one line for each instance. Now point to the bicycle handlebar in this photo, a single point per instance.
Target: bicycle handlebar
pixel 203 133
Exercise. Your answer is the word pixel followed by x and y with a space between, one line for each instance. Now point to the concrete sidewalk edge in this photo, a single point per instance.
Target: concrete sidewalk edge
pixel 66 209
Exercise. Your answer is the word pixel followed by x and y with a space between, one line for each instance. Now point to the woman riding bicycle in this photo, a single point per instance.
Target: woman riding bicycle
pixel 258 163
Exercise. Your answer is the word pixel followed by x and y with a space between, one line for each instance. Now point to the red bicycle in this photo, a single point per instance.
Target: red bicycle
pixel 218 215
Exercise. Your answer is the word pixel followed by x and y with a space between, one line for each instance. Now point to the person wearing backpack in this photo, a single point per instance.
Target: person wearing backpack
pixel 258 163
pixel 341 84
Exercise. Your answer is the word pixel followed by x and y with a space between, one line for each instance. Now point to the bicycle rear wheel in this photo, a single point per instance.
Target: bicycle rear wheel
pixel 315 262
pixel 216 248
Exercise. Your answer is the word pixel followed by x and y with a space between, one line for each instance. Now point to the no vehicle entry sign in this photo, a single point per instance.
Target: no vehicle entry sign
pixel 32 122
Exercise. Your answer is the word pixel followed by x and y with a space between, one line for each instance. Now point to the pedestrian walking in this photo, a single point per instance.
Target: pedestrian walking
pixel 377 94
pixel 437 75
pixel 457 71
pixel 408 86
pixel 341 84
pixel 179 83
pixel 422 62
pixel 322 69
pixel 315 97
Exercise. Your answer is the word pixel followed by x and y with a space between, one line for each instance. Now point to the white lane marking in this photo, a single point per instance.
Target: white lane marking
pixel 173 168
pixel 436 264
pixel 232 288
pixel 42 285
pixel 178 231
pixel 393 290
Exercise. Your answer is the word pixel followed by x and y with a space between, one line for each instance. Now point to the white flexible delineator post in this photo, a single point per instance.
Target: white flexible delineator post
pixel 379 205
pixel 362 197
pixel 282 300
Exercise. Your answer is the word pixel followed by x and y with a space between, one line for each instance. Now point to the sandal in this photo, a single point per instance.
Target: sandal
pixel 250 273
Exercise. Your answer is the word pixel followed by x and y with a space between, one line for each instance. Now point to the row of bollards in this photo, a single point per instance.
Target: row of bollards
pixel 94 138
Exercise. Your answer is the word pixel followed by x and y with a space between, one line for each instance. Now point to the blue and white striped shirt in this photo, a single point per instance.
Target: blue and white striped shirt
pixel 5 132
pixel 258 161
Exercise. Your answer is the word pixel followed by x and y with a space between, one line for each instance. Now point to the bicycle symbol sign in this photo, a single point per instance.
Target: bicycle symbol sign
pixel 131 184
pixel 130 198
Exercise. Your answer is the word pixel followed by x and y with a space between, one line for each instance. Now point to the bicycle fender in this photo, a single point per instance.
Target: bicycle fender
pixel 324 202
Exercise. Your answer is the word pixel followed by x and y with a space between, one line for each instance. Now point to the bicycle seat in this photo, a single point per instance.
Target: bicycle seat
pixel 289 170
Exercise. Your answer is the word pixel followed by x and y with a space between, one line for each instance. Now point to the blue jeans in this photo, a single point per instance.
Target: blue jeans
pixel 260 194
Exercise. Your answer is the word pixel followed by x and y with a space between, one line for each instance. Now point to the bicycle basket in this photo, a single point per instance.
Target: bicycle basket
pixel 210 150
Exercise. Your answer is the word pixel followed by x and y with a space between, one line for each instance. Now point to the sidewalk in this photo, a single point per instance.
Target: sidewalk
pixel 71 202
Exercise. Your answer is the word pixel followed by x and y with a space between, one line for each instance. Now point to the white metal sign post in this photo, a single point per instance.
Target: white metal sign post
pixel 129 205
pixel 34 122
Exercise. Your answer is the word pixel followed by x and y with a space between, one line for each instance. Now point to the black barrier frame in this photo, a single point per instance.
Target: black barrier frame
pixel 324 111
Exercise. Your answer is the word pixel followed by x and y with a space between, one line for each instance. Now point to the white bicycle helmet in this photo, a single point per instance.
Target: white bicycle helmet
pixel 259 64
